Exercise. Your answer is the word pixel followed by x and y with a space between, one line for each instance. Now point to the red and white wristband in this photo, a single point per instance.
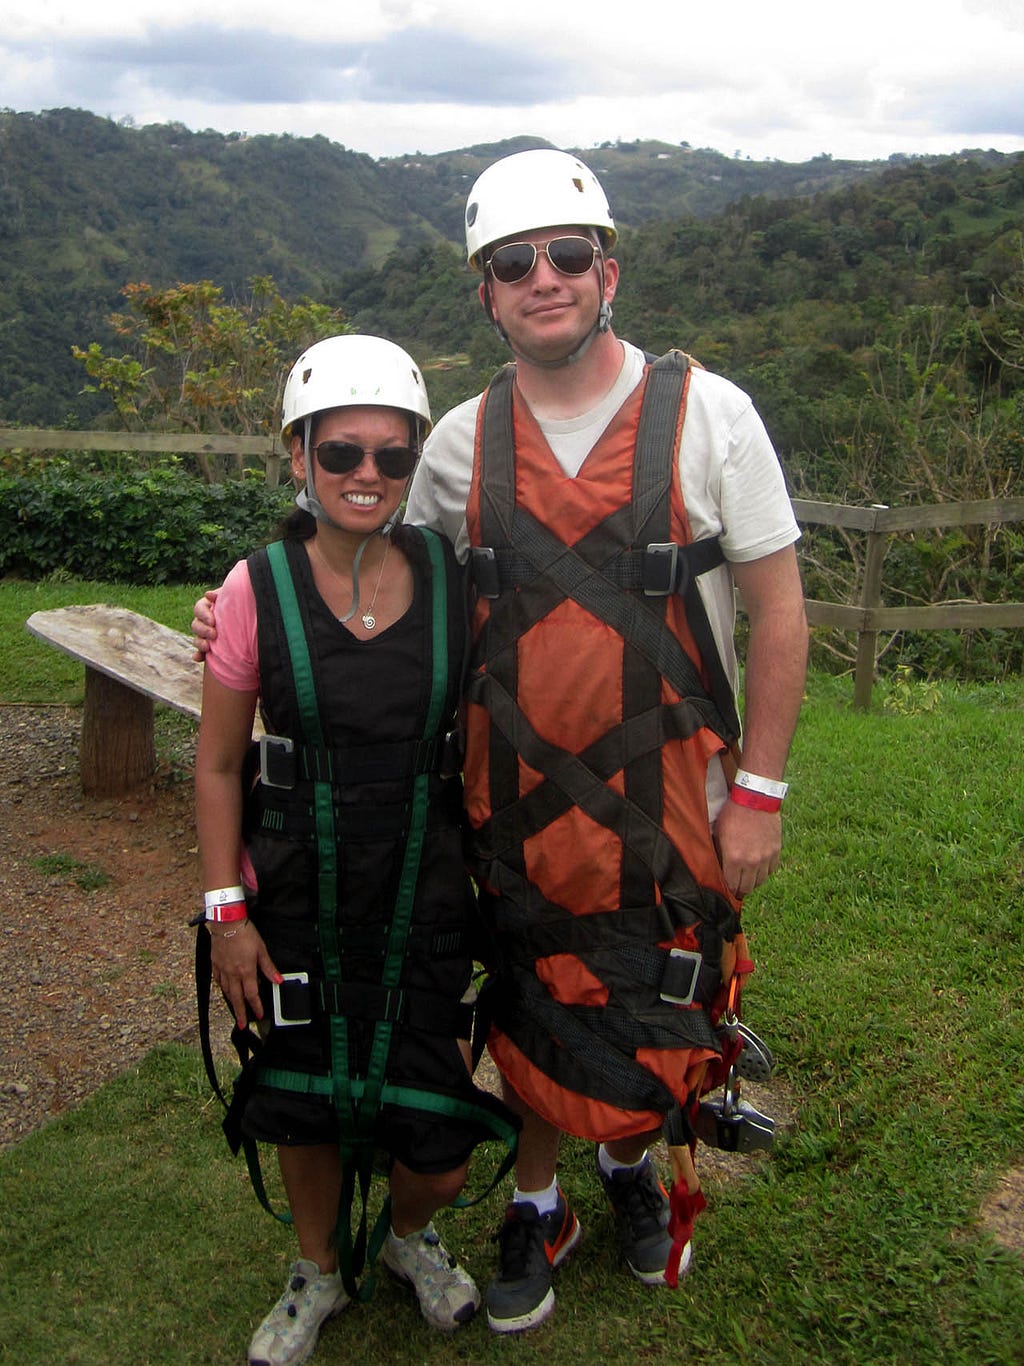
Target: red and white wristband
pixel 760 794
pixel 225 905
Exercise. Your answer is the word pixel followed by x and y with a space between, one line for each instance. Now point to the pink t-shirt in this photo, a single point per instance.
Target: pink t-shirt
pixel 233 658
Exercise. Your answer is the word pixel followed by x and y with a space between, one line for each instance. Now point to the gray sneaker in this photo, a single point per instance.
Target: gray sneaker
pixel 446 1293
pixel 641 1209
pixel 288 1335
pixel 530 1247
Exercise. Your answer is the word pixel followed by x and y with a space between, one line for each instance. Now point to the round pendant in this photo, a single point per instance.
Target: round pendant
pixel 369 621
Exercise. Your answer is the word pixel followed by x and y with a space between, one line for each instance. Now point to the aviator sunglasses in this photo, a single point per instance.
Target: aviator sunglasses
pixel 342 457
pixel 569 256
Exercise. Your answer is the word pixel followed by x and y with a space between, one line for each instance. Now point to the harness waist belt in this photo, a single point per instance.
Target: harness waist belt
pixel 298 1001
pixel 656 571
pixel 284 817
pixel 284 763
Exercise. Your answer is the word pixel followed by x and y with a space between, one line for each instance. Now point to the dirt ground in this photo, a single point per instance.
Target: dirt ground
pixel 95 950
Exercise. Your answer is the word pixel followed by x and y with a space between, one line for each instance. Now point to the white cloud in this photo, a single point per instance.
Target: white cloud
pixel 392 76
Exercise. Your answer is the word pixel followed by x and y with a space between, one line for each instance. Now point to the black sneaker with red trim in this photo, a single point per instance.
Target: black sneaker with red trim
pixel 530 1246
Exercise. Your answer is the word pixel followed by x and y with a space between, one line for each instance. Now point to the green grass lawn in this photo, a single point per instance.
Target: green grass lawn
pixel 889 953
pixel 32 671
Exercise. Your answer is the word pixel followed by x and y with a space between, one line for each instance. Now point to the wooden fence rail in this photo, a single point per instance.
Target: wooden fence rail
pixel 867 617
pixel 267 449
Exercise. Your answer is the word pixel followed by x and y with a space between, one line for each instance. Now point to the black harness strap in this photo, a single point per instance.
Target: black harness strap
pixel 287 765
pixel 638 735
pixel 585 789
pixel 298 1001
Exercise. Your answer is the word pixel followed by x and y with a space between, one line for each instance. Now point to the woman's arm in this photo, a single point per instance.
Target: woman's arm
pixel 225 730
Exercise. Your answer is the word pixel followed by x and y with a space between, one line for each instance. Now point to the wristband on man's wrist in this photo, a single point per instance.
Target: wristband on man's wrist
pixel 757 793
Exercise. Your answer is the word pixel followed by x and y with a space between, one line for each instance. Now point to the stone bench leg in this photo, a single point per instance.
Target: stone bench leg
pixel 117 751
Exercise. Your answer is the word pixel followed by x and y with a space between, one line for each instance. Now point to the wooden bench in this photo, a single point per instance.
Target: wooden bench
pixel 130 663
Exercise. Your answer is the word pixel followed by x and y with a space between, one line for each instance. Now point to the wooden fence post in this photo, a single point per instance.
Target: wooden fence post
pixel 870 597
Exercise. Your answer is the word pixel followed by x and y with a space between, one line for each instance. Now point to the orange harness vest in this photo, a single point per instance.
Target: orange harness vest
pixel 590 723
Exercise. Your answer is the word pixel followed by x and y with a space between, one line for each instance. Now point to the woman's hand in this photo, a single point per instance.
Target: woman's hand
pixel 239 957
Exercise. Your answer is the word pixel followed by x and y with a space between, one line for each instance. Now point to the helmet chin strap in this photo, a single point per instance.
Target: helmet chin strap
pixel 306 497
pixel 602 324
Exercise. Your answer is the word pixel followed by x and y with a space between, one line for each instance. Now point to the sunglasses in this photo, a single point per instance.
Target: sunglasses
pixel 569 256
pixel 342 457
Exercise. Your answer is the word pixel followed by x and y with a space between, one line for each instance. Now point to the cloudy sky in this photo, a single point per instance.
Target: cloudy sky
pixel 788 80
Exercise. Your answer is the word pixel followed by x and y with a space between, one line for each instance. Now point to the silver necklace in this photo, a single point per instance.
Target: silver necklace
pixel 368 619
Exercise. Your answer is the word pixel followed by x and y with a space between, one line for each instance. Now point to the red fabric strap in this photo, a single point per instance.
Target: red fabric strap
pixel 683 1209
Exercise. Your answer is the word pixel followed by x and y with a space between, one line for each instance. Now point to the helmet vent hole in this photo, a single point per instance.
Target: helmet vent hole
pixel 306 374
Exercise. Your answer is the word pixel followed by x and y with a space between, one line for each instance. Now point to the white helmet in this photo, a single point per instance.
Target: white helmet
pixel 352 371
pixel 538 189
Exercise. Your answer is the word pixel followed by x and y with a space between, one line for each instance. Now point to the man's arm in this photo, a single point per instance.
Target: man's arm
pixel 749 841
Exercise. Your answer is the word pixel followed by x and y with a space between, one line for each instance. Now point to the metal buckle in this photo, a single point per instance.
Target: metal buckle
pixel 277 765
pixel 660 563
pixel 485 571
pixel 695 961
pixel 275 987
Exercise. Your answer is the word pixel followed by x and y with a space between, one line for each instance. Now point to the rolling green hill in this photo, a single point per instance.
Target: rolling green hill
pixel 88 205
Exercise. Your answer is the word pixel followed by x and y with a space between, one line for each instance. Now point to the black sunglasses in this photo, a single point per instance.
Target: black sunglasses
pixel 342 457
pixel 569 256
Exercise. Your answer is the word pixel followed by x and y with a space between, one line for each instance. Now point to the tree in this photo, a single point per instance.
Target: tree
pixel 197 364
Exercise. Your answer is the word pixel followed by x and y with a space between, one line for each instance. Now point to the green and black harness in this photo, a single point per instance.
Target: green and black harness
pixel 312 794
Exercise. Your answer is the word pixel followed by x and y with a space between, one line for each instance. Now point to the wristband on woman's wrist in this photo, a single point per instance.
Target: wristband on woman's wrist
pixel 759 794
pixel 225 904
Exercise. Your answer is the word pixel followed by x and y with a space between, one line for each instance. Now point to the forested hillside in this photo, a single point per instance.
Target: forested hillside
pixel 88 205
pixel 879 328
pixel 875 312
pixel 834 310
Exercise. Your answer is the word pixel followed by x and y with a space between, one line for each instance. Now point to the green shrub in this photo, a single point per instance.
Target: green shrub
pixel 147 527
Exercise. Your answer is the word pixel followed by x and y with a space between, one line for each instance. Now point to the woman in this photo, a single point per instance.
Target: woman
pixel 350 942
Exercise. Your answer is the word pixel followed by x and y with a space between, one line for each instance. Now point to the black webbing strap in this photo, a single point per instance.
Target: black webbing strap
pixel 497 505
pixel 597 798
pixel 246 1045
pixel 612 1076
pixel 299 1002
pixel 654 451
pixel 352 765
pixel 639 734
pixel 630 570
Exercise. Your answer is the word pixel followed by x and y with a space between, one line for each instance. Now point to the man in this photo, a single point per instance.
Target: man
pixel 608 508
pixel 569 846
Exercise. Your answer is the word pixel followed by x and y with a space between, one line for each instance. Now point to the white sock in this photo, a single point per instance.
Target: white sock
pixel 544 1200
pixel 608 1164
